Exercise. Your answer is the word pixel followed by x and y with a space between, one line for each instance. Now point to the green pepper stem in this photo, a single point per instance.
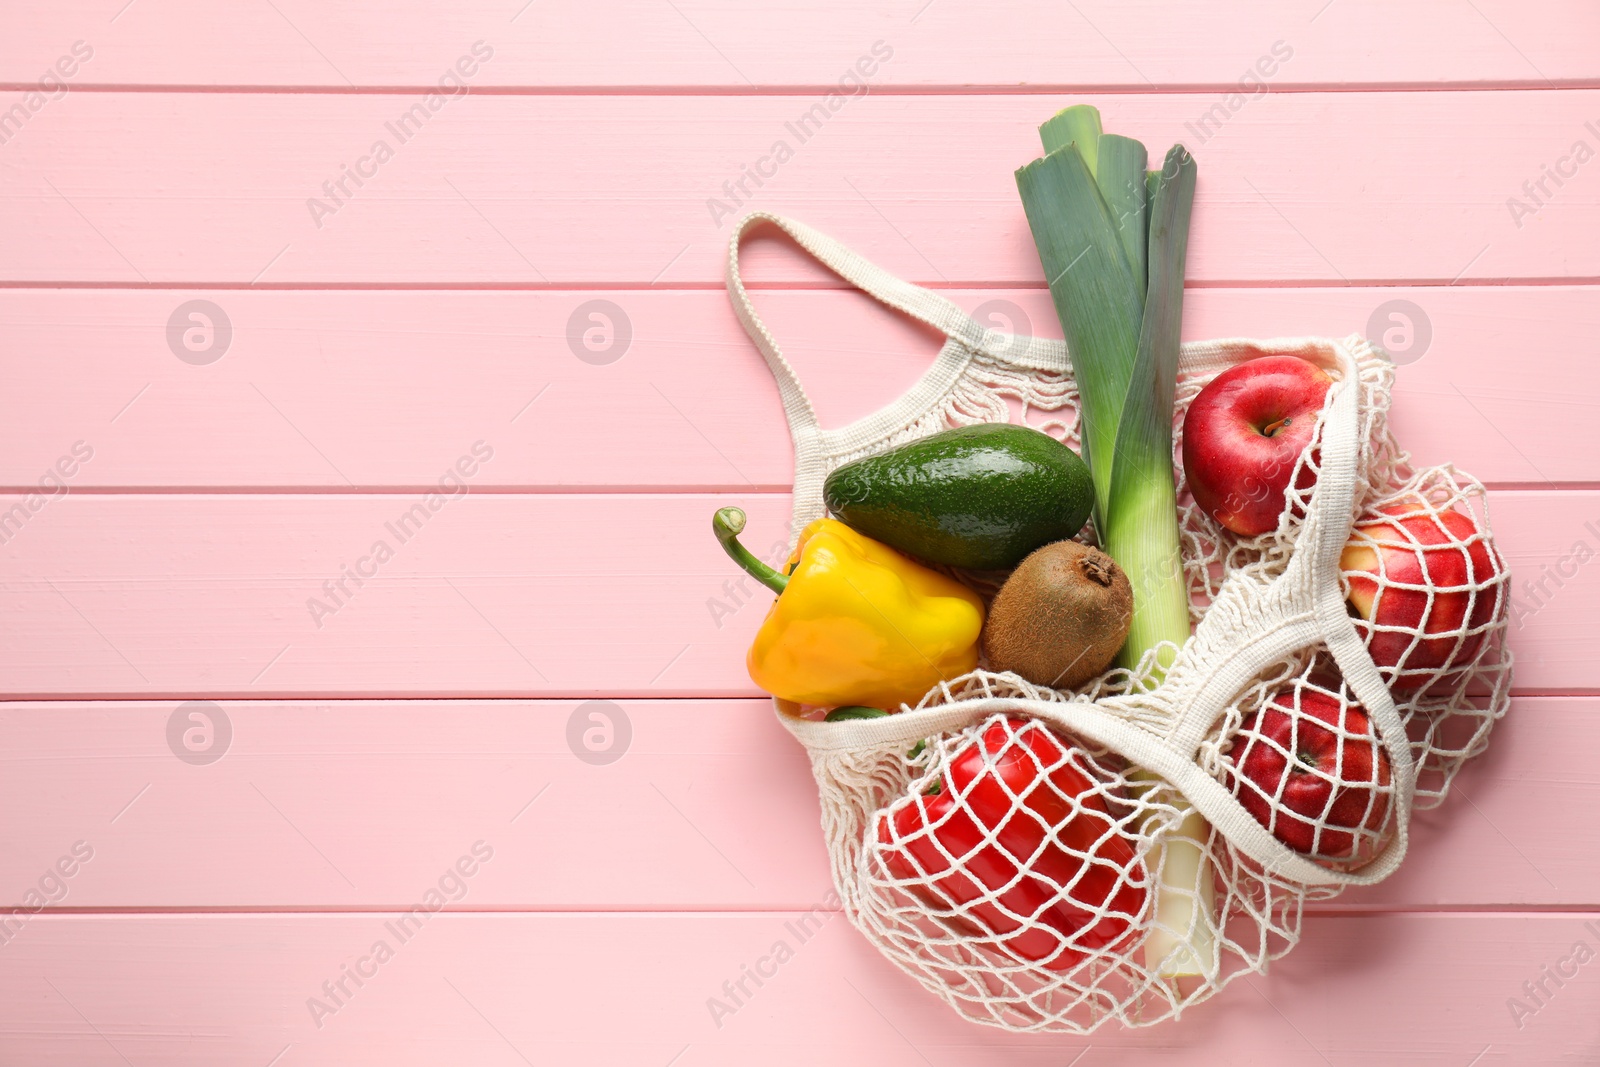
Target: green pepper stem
pixel 727 524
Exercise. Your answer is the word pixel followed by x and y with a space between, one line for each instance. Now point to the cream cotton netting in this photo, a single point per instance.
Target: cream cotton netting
pixel 1123 763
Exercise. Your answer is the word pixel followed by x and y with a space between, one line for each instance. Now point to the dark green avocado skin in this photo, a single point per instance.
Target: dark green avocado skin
pixel 981 496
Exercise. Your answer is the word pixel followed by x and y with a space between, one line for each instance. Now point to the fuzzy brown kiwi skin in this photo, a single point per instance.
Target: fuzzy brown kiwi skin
pixel 1061 618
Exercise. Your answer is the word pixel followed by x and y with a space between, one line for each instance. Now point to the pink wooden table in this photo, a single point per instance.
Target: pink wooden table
pixel 222 882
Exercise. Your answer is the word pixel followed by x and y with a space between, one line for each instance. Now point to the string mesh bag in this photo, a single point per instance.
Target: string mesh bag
pixel 1047 860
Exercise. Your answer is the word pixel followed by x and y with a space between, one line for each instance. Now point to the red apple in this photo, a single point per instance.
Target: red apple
pixel 1243 435
pixel 1315 775
pixel 1423 583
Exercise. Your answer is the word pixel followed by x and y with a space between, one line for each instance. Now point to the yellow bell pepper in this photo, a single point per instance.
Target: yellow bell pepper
pixel 855 621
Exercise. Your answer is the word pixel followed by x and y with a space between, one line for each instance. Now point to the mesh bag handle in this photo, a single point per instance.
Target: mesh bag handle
pixel 812 443
pixel 924 305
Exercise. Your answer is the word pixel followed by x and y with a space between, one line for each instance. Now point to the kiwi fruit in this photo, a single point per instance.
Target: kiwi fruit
pixel 1061 618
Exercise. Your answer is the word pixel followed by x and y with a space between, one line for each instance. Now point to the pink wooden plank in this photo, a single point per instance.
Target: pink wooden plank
pixel 501 595
pixel 356 804
pixel 712 798
pixel 1296 188
pixel 388 388
pixel 518 989
pixel 721 44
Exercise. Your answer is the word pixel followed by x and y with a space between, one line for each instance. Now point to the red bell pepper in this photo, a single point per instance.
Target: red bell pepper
pixel 1039 865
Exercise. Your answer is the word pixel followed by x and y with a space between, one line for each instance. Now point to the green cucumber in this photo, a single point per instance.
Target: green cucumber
pixel 980 497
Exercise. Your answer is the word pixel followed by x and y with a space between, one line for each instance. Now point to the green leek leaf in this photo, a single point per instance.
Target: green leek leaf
pixel 1142 533
pixel 1078 124
pixel 1095 296
pixel 1121 178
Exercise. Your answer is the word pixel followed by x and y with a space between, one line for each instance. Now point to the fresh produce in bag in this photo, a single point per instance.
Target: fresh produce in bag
pixel 1014 839
pixel 1424 582
pixel 1140 746
pixel 1243 437
pixel 1309 767
pixel 1061 617
pixel 980 496
pixel 855 622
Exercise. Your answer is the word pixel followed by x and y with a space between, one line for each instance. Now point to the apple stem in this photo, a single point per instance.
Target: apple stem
pixel 1271 429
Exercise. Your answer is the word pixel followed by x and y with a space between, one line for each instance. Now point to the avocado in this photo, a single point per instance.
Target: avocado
pixel 980 497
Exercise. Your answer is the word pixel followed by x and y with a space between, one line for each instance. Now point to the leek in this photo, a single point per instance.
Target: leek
pixel 1113 238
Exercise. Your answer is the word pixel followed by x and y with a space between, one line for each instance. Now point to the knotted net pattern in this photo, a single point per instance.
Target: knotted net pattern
pixel 1036 857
